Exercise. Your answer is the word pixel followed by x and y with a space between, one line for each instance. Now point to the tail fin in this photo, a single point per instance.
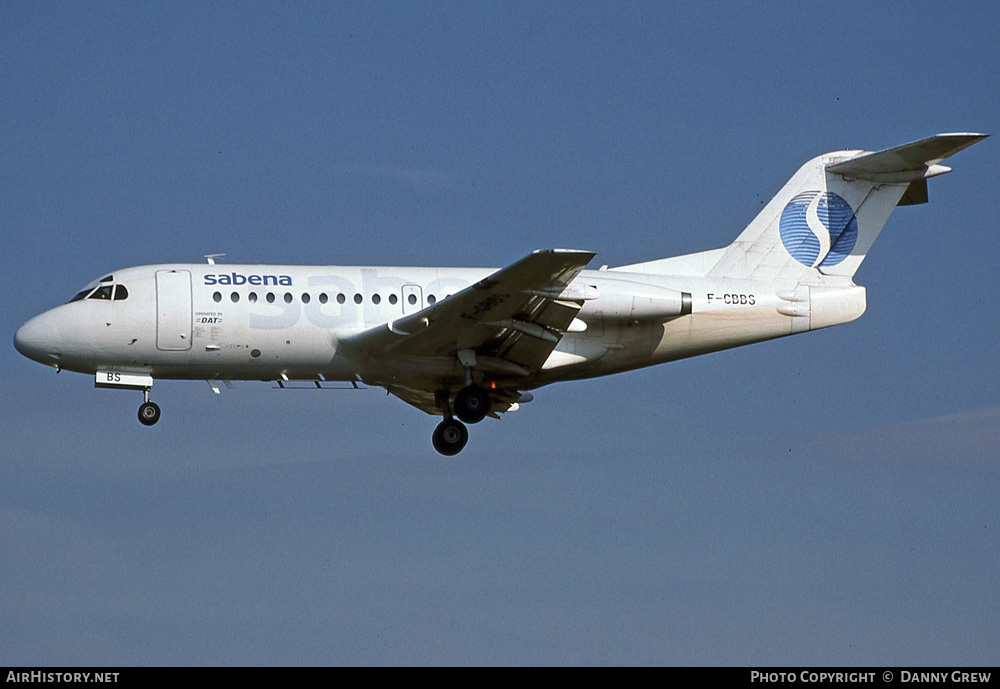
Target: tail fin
pixel 828 215
pixel 826 218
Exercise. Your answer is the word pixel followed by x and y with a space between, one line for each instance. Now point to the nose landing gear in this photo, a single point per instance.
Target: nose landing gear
pixel 149 412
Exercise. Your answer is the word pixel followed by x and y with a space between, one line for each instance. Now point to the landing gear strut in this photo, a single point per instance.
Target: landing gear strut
pixel 149 412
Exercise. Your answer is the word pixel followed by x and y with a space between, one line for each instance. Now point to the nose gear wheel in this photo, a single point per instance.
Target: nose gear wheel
pixel 149 413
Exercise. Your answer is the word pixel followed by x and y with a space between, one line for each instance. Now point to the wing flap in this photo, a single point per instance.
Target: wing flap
pixel 531 352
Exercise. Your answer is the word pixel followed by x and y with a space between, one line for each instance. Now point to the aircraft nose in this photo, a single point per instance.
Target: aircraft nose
pixel 34 340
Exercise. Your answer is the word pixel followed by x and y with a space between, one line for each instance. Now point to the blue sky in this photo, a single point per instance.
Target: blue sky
pixel 823 499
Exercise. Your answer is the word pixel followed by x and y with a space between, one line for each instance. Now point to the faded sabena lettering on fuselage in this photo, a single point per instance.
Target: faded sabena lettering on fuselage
pixel 240 279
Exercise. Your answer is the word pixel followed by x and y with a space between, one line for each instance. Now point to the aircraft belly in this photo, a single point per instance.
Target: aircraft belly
pixel 388 369
pixel 715 331
pixel 230 351
pixel 605 348
pixel 625 347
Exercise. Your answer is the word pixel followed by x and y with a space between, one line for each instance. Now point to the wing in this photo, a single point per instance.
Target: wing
pixel 505 325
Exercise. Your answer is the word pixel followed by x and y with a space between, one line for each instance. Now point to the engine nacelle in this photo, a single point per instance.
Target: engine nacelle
pixel 621 300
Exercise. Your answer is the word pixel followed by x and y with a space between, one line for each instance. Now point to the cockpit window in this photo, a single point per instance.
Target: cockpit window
pixel 102 292
pixel 109 278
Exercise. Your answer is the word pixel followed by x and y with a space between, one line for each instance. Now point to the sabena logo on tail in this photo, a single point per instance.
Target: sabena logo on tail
pixel 818 228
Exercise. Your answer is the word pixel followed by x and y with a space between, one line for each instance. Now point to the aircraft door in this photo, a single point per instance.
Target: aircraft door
pixel 173 310
pixel 413 298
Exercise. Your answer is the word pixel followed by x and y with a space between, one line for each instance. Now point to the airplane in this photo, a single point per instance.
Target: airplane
pixel 467 343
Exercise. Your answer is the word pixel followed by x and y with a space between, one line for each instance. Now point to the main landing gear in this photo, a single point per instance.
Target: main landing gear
pixel 472 404
pixel 450 437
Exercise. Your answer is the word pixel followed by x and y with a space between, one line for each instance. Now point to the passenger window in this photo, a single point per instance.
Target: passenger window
pixel 252 297
pixel 305 298
pixel 217 297
pixel 270 297
pixel 322 298
pixel 357 298
pixel 393 299
pixel 376 299
pixel 412 299
pixel 120 293
pixel 341 298
pixel 431 299
pixel 288 297
pixel 235 297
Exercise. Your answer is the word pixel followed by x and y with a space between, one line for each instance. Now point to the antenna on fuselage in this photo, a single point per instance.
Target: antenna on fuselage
pixel 211 258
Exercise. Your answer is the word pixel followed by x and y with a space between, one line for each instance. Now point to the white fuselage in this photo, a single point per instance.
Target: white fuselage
pixel 265 322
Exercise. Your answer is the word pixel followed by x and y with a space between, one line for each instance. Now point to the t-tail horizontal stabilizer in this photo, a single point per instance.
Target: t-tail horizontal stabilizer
pixel 906 163
pixel 913 162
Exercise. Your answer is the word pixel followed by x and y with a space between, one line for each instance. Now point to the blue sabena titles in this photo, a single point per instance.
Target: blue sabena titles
pixel 818 228
pixel 240 279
